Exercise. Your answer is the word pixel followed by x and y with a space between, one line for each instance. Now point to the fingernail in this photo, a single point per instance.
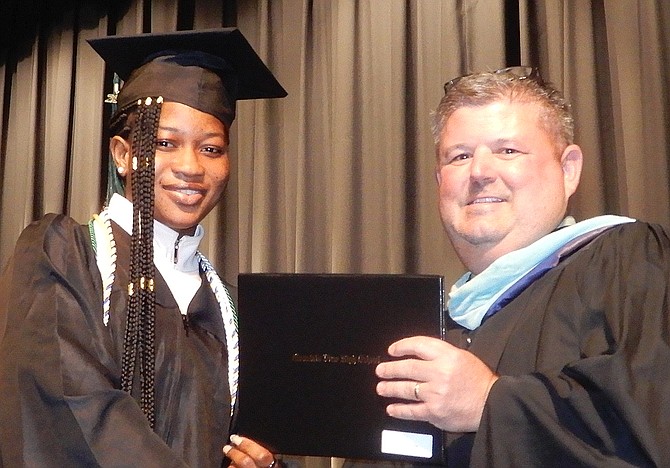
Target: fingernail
pixel 235 439
pixel 226 449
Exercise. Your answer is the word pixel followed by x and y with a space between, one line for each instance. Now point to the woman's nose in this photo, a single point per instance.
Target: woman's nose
pixel 187 162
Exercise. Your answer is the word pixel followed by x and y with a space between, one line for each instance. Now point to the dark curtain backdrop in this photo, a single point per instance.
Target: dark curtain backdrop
pixel 339 176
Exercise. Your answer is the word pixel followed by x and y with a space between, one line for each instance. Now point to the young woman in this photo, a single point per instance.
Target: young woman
pixel 121 341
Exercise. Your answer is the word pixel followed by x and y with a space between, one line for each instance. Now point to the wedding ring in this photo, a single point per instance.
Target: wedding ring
pixel 416 391
pixel 274 462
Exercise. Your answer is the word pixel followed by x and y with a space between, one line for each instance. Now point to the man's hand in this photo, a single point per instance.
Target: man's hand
pixel 448 386
pixel 245 453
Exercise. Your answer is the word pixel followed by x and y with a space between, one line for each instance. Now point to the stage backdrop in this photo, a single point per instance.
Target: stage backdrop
pixel 339 176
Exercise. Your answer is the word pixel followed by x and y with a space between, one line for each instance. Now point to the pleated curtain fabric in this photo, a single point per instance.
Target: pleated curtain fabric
pixel 340 175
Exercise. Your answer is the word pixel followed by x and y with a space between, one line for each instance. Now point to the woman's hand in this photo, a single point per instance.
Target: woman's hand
pixel 246 453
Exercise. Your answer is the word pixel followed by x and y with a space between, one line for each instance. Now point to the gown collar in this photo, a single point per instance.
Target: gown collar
pixel 471 297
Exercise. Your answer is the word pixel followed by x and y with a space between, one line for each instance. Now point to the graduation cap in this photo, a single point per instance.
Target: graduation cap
pixel 208 70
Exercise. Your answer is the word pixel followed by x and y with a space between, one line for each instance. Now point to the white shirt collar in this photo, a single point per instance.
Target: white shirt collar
pixel 167 241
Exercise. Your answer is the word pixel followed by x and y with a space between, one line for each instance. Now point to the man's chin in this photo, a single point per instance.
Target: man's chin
pixel 481 236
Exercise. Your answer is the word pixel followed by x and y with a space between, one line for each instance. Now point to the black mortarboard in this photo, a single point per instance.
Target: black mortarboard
pixel 208 70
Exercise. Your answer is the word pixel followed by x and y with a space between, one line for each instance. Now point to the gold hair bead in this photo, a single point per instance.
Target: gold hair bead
pixel 131 289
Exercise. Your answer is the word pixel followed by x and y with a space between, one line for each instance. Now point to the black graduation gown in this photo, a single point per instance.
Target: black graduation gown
pixel 60 366
pixel 584 359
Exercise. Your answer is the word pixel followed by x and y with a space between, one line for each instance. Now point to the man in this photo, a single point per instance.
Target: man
pixel 557 349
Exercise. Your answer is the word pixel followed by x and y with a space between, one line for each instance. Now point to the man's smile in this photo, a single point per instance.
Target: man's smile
pixel 480 200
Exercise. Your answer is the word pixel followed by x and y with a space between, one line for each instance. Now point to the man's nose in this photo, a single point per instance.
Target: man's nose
pixel 483 163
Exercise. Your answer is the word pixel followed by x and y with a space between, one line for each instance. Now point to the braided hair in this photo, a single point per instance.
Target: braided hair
pixel 139 354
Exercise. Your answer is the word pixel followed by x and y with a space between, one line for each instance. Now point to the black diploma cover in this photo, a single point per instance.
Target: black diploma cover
pixel 309 345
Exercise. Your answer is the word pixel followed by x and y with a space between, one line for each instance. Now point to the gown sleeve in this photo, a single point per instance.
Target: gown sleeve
pixel 61 401
pixel 599 393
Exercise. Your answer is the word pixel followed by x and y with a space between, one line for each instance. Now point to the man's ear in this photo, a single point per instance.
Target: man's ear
pixel 571 162
pixel 120 149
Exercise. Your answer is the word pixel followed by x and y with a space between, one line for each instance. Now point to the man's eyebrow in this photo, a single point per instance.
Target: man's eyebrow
pixel 496 142
pixel 459 146
pixel 504 141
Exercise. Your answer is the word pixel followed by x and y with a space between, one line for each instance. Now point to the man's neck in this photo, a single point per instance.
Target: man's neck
pixel 478 257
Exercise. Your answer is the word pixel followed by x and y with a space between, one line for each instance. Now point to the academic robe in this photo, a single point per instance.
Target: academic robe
pixel 60 366
pixel 583 355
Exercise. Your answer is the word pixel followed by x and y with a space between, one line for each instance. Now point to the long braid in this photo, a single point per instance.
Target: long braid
pixel 139 348
pixel 123 124
pixel 131 334
pixel 148 327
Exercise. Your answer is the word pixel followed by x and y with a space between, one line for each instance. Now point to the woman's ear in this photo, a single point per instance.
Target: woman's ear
pixel 120 149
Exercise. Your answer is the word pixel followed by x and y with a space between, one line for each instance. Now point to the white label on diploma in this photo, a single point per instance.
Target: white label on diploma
pixel 407 443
